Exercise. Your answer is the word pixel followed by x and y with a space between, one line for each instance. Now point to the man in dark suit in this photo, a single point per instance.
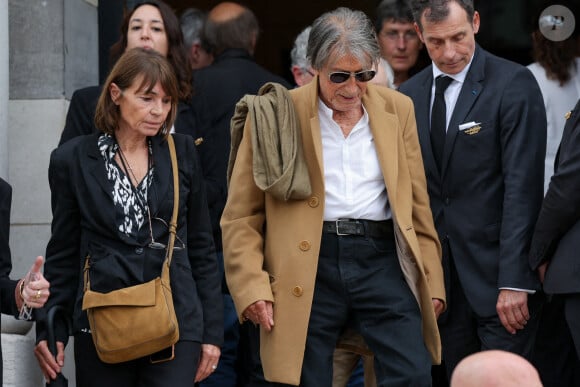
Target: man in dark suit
pixel 555 243
pixel 231 33
pixel 483 155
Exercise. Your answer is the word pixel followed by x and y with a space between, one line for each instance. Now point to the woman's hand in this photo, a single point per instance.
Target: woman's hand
pixel 49 365
pixel 34 291
pixel 210 355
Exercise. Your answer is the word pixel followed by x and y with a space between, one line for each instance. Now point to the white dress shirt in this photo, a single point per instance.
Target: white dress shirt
pixel 451 93
pixel 353 180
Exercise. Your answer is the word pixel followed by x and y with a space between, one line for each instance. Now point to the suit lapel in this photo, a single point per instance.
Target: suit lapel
pixel 384 128
pixel 162 175
pixel 307 110
pixel 423 114
pixel 96 166
pixel 469 93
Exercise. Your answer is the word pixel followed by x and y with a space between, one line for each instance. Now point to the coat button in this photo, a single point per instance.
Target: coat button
pixel 139 250
pixel 304 245
pixel 297 291
pixel 313 202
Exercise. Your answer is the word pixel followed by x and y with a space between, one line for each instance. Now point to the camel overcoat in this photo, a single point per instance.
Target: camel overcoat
pixel 271 246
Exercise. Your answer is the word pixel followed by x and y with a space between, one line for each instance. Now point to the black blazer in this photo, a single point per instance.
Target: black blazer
pixel 7 286
pixel 557 235
pixel 487 196
pixel 216 90
pixel 84 224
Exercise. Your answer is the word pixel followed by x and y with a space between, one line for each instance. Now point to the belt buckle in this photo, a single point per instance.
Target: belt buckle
pixel 337 222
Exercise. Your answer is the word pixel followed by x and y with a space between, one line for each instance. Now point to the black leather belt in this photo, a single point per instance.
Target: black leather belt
pixel 363 227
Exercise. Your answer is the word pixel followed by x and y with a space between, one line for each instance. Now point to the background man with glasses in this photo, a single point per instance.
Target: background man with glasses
pixel 320 255
pixel 400 45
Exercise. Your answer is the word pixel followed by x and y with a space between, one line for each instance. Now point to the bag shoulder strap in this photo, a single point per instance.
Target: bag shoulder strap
pixel 173 222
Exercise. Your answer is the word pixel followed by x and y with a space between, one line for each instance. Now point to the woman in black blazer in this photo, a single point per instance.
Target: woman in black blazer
pixel 152 25
pixel 112 198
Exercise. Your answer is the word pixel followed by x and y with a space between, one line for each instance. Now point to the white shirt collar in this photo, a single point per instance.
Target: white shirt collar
pixel 459 77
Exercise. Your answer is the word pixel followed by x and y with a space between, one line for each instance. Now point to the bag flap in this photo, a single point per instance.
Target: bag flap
pixel 138 295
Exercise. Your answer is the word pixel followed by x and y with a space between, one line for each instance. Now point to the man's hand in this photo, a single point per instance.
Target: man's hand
pixel 261 312
pixel 512 308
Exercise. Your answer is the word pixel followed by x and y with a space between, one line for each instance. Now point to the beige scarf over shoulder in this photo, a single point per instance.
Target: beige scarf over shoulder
pixel 278 160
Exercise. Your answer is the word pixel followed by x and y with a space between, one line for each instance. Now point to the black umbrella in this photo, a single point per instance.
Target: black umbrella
pixel 54 313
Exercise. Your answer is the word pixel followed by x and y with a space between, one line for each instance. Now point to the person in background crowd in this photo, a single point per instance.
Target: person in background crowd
pixel 300 67
pixel 192 21
pixel 400 45
pixel 111 201
pixel 557 70
pixel 231 32
pixel 315 250
pixel 17 297
pixel 482 127
pixel 153 25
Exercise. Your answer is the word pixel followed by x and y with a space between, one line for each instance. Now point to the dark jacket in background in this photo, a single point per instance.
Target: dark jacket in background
pixel 7 286
pixel 216 90
pixel 557 235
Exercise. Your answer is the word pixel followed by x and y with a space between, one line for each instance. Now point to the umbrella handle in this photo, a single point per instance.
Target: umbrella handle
pixel 54 312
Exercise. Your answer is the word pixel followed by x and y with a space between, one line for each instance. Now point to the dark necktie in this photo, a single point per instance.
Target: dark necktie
pixel 438 118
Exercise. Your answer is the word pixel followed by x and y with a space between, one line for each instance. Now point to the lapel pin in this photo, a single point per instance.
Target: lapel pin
pixel 198 140
pixel 473 130
pixel 567 115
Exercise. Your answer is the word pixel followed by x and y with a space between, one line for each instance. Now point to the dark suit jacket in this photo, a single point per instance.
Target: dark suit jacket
pixel 7 286
pixel 557 234
pixel 84 224
pixel 216 90
pixel 486 199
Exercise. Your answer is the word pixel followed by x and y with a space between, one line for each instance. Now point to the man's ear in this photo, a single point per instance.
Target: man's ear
pixel 418 31
pixel 115 92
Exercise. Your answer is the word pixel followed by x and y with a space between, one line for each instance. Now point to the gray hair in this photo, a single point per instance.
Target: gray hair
pixel 192 21
pixel 298 53
pixel 341 32
pixel 437 10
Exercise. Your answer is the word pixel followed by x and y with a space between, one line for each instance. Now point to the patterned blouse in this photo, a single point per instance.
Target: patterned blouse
pixel 130 202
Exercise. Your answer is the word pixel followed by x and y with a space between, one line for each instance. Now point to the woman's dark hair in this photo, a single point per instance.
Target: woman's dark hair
pixel 176 55
pixel 138 64
pixel 557 58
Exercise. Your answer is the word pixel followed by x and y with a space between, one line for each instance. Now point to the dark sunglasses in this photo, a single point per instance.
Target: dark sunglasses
pixel 343 76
